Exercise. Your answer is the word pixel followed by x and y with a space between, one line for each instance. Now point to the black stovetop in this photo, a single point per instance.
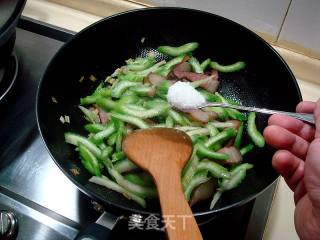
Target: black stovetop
pixel 47 204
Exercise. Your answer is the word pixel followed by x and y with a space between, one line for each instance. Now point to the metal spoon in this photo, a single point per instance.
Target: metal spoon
pixel 306 117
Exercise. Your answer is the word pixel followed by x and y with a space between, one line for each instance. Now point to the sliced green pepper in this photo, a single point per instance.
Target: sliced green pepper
pixel 221 137
pixel 130 119
pixel 228 68
pixel 196 67
pixel 89 161
pixel 253 132
pixel 140 64
pixel 215 169
pixel 203 151
pixel 205 64
pixel 176 51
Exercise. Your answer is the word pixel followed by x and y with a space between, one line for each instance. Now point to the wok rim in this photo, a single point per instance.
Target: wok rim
pixel 93 195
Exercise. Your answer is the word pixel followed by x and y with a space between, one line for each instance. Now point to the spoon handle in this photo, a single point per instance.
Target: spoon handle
pixel 177 215
pixel 301 116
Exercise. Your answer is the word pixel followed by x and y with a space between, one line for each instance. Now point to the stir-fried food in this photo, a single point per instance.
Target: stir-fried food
pixel 135 97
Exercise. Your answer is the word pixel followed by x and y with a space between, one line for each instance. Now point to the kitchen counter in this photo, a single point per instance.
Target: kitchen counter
pixel 280 223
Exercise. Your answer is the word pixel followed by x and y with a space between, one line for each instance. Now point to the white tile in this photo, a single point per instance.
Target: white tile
pixel 259 15
pixel 302 26
pixel 280 222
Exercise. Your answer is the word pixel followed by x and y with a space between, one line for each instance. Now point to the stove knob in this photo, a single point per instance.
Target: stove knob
pixel 8 225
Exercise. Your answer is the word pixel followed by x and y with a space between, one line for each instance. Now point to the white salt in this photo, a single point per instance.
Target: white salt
pixel 183 96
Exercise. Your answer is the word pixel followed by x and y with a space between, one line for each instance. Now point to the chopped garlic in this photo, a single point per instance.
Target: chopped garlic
pixel 67 119
pixel 54 99
pixel 92 78
pixel 183 96
pixel 143 39
pixel 81 79
pixel 62 119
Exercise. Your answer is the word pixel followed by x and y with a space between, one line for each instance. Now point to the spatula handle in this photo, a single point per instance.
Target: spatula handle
pixel 176 212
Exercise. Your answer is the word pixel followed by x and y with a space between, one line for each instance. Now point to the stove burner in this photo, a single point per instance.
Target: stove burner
pixel 8 225
pixel 8 75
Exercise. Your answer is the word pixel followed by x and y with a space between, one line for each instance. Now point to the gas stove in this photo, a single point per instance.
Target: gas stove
pixel 36 200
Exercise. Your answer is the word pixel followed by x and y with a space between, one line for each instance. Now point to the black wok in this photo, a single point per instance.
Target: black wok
pixel 101 48
pixel 10 11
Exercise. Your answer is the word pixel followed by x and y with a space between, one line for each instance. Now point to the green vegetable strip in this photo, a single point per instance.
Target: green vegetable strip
pixel 89 160
pixel 221 137
pixel 154 68
pixel 197 179
pixel 205 64
pixel 206 152
pixel 176 51
pixel 140 179
pixel 234 181
pixel 190 168
pixel 187 128
pixel 236 177
pixel 200 131
pixel 90 115
pixel 238 140
pixel 118 156
pixel 246 149
pixel 112 139
pixel 140 64
pixel 106 182
pixel 106 152
pixel 94 127
pixel 100 91
pixel 210 97
pixel 196 84
pixel 213 131
pixel 196 67
pixel 253 132
pixel 98 137
pixel 228 68
pixel 215 169
pixel 88 100
pixel 106 104
pixel 128 99
pixel 215 199
pixel 119 88
pixel 177 117
pixel 146 113
pixel 102 146
pixel 131 77
pixel 125 165
pixel 169 122
pixel 170 64
pixel 143 90
pixel 222 113
pixel 76 139
pixel 221 125
pixel 119 140
pixel 148 192
pixel 233 113
pixel 129 119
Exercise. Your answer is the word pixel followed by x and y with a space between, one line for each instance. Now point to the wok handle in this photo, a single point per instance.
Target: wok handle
pixel 101 229
pixel 94 231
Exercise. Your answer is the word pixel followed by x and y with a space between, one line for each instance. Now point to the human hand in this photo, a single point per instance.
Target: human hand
pixel 298 161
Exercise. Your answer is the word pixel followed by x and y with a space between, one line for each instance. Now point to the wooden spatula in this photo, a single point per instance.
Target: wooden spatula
pixel 163 152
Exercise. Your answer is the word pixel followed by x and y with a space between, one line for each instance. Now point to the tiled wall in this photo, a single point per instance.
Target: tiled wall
pixel 301 28
pixel 293 24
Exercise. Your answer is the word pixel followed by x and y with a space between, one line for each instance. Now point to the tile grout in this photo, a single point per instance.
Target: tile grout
pixel 284 19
